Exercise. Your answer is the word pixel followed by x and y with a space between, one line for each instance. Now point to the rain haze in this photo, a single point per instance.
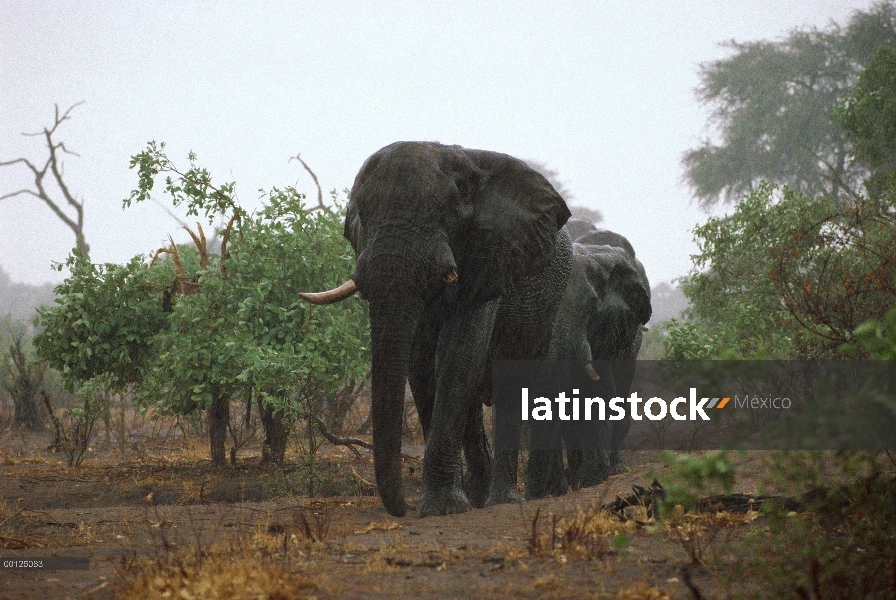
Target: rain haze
pixel 600 92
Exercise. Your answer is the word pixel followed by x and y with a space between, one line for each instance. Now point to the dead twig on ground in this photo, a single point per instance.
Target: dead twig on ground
pixel 350 443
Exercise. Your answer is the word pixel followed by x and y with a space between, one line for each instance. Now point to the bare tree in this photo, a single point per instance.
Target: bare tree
pixel 53 165
pixel 592 215
pixel 553 176
pixel 320 192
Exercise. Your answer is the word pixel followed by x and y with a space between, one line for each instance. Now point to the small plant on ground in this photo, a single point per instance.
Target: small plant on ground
pixel 592 534
pixel 74 431
pixel 690 478
pixel 843 545
pixel 22 377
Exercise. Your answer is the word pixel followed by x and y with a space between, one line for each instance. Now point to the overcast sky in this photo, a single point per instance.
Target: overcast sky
pixel 602 92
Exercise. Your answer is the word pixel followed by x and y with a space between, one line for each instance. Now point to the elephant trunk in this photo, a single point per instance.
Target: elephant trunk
pixel 392 329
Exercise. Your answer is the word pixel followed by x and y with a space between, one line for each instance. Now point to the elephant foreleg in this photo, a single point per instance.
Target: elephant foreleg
pixel 459 368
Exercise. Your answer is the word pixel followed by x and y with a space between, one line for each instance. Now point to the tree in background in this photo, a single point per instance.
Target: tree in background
pixel 53 166
pixel 19 300
pixel 788 275
pixel 868 118
pixel 772 105
pixel 21 376
pixel 585 213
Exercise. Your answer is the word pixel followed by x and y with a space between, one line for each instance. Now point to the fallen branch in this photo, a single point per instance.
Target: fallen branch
pixel 361 479
pixel 350 443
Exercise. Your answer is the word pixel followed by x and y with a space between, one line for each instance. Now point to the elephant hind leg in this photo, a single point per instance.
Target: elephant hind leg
pixel 545 474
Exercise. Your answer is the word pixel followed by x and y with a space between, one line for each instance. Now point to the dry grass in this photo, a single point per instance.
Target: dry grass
pixel 223 573
pixel 697 533
pixel 5 511
pixel 641 591
pixel 586 534
pixel 22 529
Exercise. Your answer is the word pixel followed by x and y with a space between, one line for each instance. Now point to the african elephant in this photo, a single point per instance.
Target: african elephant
pixel 600 319
pixel 460 255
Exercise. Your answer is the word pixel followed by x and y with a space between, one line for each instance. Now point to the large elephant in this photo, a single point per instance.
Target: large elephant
pixel 600 319
pixel 461 257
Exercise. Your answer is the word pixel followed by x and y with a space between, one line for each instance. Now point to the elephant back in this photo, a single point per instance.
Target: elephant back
pixel 579 227
pixel 605 237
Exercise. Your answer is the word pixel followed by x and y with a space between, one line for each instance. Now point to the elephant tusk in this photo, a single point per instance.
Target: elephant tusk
pixel 330 296
pixel 450 277
pixel 592 374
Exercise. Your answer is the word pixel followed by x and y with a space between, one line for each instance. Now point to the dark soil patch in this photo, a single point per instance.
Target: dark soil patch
pixel 139 513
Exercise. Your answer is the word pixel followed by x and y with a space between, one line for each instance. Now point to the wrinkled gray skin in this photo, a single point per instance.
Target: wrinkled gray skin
pixel 417 212
pixel 601 318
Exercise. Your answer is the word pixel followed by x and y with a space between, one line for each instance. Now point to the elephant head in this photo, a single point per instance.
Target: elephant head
pixel 621 300
pixel 435 224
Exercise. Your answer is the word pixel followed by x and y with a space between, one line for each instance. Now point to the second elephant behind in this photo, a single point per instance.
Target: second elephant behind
pixel 601 318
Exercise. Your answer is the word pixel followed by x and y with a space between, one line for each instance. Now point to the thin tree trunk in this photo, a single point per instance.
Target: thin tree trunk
pixel 275 434
pixel 122 430
pixel 218 420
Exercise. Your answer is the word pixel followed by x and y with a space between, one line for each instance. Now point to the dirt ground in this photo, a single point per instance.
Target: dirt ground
pixel 168 510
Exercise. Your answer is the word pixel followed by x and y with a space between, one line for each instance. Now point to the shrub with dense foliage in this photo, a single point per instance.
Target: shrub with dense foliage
pixel 194 330
pixel 788 275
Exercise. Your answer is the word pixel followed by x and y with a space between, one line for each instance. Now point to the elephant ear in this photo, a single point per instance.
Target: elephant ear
pixel 512 235
pixel 641 301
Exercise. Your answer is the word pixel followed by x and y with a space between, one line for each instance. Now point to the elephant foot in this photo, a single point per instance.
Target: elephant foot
pixel 476 490
pixel 446 501
pixel 509 496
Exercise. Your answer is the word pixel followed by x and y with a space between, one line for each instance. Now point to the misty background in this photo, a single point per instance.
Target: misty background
pixel 599 94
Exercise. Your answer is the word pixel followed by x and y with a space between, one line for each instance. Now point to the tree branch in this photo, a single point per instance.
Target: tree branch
pixel 76 224
pixel 320 194
pixel 350 442
pixel 170 212
pixel 24 191
pixel 338 441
